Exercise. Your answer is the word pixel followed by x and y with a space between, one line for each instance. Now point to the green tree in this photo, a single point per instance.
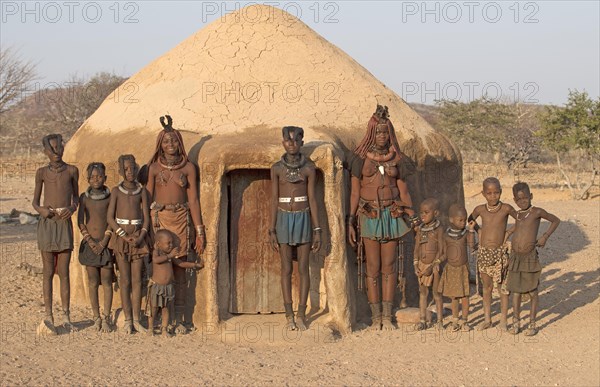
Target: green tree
pixel 504 130
pixel 574 128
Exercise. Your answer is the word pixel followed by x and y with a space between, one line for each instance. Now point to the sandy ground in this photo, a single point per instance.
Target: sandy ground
pixel 255 349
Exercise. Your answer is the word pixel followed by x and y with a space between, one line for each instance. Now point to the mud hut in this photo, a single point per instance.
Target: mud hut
pixel 230 88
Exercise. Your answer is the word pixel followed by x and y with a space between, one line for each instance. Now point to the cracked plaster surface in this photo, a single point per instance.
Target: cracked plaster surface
pixel 273 71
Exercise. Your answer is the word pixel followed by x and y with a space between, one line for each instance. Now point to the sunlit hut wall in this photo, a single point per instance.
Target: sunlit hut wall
pixel 230 88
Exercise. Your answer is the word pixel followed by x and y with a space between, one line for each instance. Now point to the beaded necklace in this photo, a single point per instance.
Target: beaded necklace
pixel 98 196
pixel 495 208
pixel 136 191
pixel 292 169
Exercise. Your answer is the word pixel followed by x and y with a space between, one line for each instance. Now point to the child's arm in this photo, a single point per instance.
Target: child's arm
pixel 471 237
pixel 416 256
pixel 511 211
pixel 441 253
pixel 195 211
pixel 312 203
pixel 146 215
pixel 159 258
pixel 187 265
pixel 37 195
pixel 70 210
pixel 508 233
pixel 472 220
pixel 554 222
pixel 274 203
pixel 75 197
pixel 111 212
pixel 81 217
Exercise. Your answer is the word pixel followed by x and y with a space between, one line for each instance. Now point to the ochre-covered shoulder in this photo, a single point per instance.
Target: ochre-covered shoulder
pixel 39 174
pixel 406 167
pixel 355 165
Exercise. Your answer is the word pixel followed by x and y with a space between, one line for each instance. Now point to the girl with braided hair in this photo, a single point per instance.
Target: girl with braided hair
pixel 379 197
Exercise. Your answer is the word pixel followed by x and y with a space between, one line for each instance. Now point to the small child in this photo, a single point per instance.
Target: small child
pixel 454 282
pixel 161 291
pixel 429 250
pixel 129 217
pixel 492 260
pixel 59 182
pixel 524 267
pixel 93 251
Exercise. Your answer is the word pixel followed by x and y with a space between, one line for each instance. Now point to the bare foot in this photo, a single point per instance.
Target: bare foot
pixel 421 326
pixel 387 325
pixel 97 323
pixel 454 326
pixel 164 331
pixel 291 324
pixel 66 317
pixel 503 326
pixel 138 326
pixel 106 325
pixel 150 331
pixel 47 327
pixel 531 330
pixel 301 323
pixel 127 327
pixel 439 325
pixel 465 327
pixel 484 326
pixel 375 324
pixel 180 329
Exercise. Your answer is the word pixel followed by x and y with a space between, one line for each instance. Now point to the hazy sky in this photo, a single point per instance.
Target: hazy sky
pixel 533 50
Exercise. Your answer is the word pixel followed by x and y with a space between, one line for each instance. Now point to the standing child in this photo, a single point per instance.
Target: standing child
pixel 524 267
pixel 161 290
pixel 93 251
pixel 293 216
pixel 491 257
pixel 129 217
pixel 454 282
pixel 429 250
pixel 59 181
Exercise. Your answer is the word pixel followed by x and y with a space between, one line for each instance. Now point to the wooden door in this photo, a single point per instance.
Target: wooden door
pixel 255 268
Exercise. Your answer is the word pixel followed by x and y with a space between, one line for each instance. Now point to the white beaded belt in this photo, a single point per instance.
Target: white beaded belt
pixel 294 200
pixel 127 221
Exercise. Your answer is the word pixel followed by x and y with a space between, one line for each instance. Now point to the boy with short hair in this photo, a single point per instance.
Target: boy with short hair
pixel 492 259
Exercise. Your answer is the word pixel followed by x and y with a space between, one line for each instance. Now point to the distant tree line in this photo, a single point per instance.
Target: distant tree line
pixel 517 133
pixel 29 110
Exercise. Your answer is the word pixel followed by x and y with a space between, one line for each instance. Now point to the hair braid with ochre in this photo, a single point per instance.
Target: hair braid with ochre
pixel 380 117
